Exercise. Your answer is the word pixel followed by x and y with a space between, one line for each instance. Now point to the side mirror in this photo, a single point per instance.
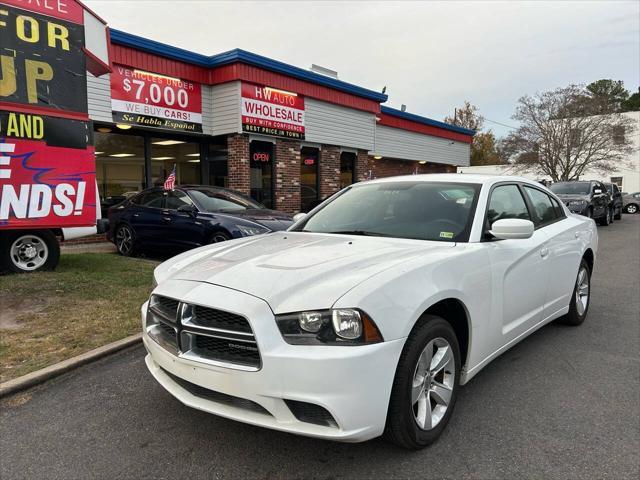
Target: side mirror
pixel 299 216
pixel 190 209
pixel 597 191
pixel 512 228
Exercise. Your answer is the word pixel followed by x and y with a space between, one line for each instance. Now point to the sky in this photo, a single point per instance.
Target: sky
pixel 431 56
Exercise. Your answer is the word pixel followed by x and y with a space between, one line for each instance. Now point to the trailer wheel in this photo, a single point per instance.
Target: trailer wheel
pixel 29 251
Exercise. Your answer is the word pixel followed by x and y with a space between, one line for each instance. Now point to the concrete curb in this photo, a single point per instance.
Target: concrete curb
pixel 34 378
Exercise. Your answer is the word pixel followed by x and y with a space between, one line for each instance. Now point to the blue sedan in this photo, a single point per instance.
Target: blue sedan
pixel 187 217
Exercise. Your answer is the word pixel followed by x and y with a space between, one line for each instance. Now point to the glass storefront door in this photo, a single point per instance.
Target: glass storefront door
pixel 165 153
pixel 261 180
pixel 309 178
pixel 347 169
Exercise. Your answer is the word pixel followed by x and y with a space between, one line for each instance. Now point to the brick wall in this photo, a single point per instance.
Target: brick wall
pixel 329 171
pixel 362 165
pixel 287 175
pixel 238 163
pixel 389 167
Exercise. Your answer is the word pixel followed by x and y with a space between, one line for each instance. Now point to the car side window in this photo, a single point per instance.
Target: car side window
pixel 506 202
pixel 543 208
pixel 152 199
pixel 557 208
pixel 177 199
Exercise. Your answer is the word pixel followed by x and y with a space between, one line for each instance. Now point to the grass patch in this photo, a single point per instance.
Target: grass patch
pixel 90 300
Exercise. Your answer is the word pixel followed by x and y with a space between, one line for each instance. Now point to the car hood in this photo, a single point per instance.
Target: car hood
pixel 293 270
pixel 272 219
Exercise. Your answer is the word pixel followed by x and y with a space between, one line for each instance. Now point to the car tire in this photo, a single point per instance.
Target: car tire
pixel 418 400
pixel 125 240
pixel 618 216
pixel 218 237
pixel 605 220
pixel 580 299
pixel 29 251
pixel 589 213
pixel 632 208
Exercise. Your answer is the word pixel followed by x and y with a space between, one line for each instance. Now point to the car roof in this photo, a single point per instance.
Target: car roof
pixel 456 178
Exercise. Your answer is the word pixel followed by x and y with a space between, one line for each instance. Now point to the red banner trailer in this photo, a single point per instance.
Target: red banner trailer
pixel 47 161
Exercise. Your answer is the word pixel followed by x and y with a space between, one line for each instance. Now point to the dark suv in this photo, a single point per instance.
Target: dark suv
pixel 616 199
pixel 588 198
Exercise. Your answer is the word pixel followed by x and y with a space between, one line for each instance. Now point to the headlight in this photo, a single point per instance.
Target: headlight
pixel 342 326
pixel 576 203
pixel 247 231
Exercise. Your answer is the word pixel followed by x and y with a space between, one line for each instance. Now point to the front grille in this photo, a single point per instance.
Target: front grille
pixel 202 334
pixel 166 306
pixel 311 413
pixel 217 397
pixel 228 350
pixel 212 318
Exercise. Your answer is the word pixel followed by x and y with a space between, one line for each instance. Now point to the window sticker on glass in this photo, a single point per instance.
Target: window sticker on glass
pixel 446 234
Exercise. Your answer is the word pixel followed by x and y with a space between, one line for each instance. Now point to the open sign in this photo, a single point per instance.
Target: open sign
pixel 261 157
pixel 309 161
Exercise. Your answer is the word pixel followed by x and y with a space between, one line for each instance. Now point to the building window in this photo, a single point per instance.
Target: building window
pixel 166 152
pixel 119 166
pixel 347 169
pixel 309 158
pixel 617 181
pixel 261 162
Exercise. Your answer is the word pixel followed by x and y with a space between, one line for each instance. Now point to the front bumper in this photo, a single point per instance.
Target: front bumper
pixel 352 383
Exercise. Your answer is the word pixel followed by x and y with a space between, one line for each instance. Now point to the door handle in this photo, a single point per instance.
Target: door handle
pixel 544 252
pixel 136 214
pixel 166 219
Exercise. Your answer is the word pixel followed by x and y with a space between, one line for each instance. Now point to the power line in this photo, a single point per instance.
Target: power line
pixel 501 124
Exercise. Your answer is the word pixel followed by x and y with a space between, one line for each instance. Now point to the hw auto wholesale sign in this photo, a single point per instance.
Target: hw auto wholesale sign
pixel 269 111
pixel 47 167
pixel 154 100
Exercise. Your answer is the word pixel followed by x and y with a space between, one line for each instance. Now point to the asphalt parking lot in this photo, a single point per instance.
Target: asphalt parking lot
pixel 564 403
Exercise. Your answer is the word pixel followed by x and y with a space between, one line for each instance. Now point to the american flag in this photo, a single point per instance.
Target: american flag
pixel 170 182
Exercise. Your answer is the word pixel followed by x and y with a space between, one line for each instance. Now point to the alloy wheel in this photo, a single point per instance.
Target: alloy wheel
pixel 632 209
pixel 29 252
pixel 124 240
pixel 433 382
pixel 582 291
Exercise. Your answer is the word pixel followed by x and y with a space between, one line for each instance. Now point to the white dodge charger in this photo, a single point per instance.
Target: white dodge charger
pixel 366 317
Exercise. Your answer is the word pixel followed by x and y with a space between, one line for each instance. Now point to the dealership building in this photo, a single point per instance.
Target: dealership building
pixel 286 136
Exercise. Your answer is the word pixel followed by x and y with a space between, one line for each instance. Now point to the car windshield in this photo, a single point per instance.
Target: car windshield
pixel 214 200
pixel 416 210
pixel 571 188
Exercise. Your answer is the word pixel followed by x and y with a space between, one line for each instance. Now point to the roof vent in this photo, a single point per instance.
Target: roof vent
pixel 403 108
pixel 324 71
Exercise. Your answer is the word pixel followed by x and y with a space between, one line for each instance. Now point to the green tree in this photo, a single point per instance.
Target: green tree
pixel 467 117
pixel 632 104
pixel 484 148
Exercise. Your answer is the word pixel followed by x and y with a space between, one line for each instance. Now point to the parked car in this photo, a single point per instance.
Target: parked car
pixel 616 199
pixel 370 312
pixel 588 198
pixel 187 217
pixel 631 202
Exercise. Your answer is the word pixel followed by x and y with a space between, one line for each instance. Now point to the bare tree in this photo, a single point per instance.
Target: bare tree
pixel 557 141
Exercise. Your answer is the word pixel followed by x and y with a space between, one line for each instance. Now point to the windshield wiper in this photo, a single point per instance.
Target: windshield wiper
pixel 364 233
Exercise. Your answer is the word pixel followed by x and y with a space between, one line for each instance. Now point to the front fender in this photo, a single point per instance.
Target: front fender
pixel 396 298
